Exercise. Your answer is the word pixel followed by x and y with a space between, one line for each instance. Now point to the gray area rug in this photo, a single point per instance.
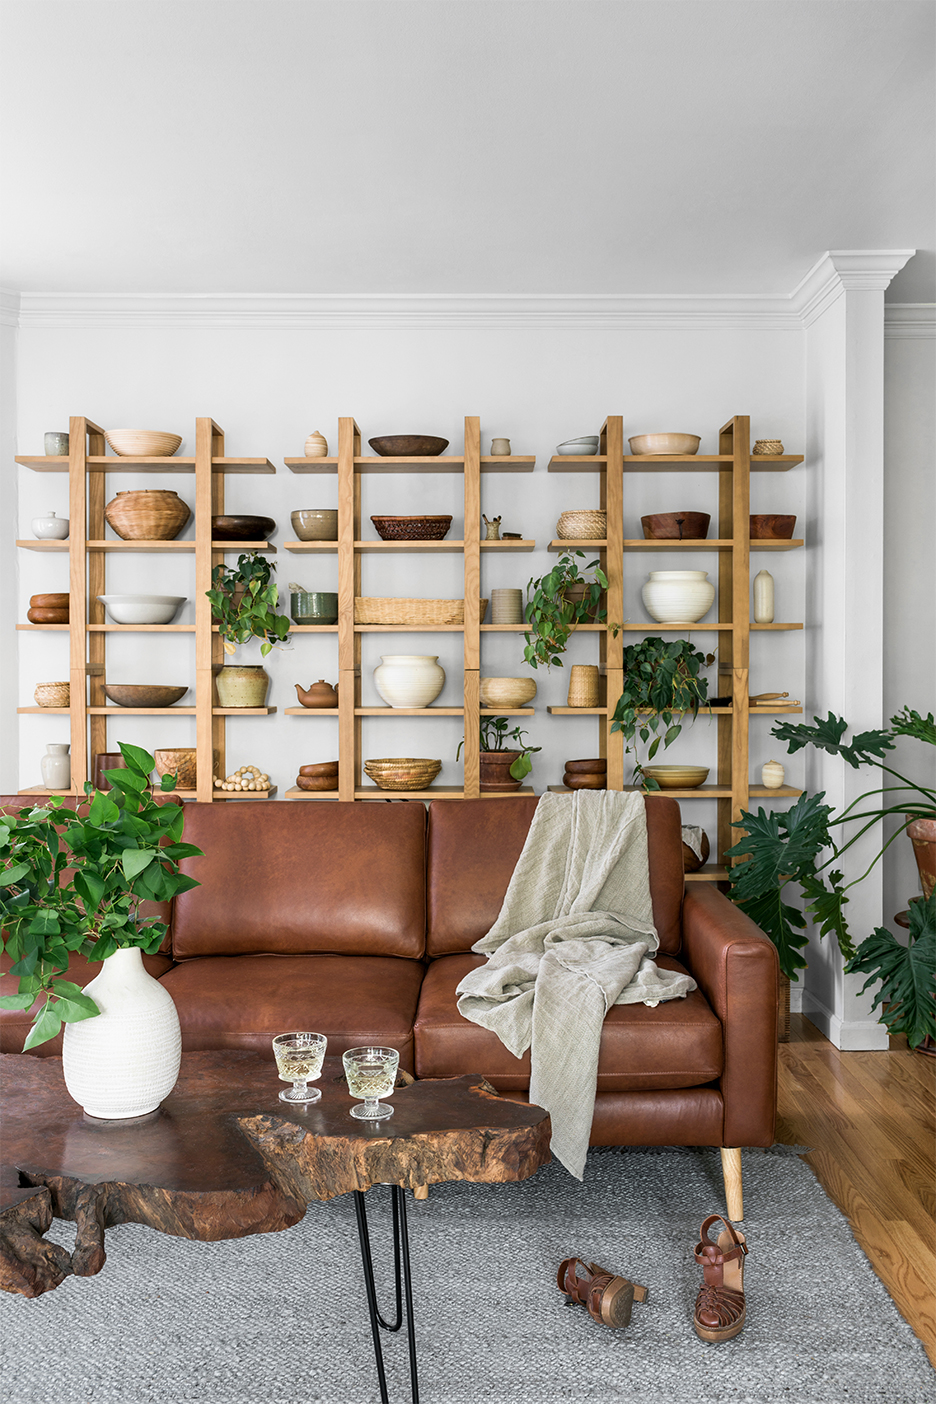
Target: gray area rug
pixel 281 1318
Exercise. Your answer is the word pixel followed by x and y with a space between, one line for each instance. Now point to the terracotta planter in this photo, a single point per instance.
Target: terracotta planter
pixel 923 837
pixel 495 770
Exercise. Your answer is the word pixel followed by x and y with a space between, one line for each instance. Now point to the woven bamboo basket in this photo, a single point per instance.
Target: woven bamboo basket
pixel 53 694
pixel 428 614
pixel 402 773
pixel 768 446
pixel 150 514
pixel 582 526
pixel 583 685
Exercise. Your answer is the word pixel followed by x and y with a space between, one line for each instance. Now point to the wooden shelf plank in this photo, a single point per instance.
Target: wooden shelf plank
pixel 370 792
pixel 241 711
pixel 507 711
pixel 579 711
pixel 310 546
pixel 525 628
pixel 522 545
pixel 578 545
pixel 294 793
pixel 153 547
pixel 41 463
pixel 310 711
pixel 513 463
pixel 652 628
pixel 141 711
pixel 42 546
pixel 711 872
pixel 41 790
pixel 61 628
pixel 235 794
pixel 774 626
pixel 710 544
pixel 141 628
pixel 376 463
pixel 409 711
pixel 312 628
pixel 433 547
pixel 572 463
pixel 784 792
pixel 409 629
pixel 52 711
pixel 311 465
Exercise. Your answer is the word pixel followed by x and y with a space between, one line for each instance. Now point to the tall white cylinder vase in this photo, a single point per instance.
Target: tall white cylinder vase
pixel 126 1060
pixel 409 679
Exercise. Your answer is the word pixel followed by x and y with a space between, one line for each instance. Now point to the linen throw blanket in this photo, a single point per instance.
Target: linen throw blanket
pixel 573 937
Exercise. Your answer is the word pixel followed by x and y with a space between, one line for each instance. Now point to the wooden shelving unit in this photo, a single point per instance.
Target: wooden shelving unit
pixel 88 548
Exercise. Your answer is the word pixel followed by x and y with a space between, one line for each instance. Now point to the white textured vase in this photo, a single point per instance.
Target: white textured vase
pixel 772 775
pixel 125 1061
pixel 56 766
pixel 678 596
pixel 763 597
pixel 409 679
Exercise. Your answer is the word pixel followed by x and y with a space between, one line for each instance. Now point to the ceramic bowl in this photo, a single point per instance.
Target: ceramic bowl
pixel 320 768
pixel 313 606
pixel 668 444
pixel 242 528
pixel 409 446
pixel 142 443
pixel 585 447
pixel 142 695
pixel 677 777
pixel 587 767
pixel 315 523
pixel 142 609
pixel 507 692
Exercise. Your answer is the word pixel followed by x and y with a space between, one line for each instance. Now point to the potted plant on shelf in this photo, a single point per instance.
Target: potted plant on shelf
pixel 557 603
pixel 788 847
pixel 244 600
pixel 502 767
pixel 662 683
pixel 76 881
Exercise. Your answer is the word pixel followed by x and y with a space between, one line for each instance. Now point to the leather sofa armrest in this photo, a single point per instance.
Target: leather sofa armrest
pixel 736 967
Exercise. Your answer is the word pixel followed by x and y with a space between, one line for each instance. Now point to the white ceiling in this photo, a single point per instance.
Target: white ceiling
pixel 519 146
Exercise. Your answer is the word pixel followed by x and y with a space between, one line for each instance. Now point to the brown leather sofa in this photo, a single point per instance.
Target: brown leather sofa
pixel 358 919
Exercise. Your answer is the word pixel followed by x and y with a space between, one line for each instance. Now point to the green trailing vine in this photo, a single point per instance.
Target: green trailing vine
pixel 662 684
pixel 553 617
pixel 244 600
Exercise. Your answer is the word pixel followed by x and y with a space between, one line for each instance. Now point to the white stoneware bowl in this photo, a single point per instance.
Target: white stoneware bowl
pixel 678 596
pixel 142 609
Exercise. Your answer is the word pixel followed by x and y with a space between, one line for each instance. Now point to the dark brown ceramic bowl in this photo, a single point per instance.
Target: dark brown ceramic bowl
pixel 141 695
pixel 47 616
pixel 317 782
pixel 770 526
pixel 54 601
pixel 578 781
pixel 242 528
pixel 322 768
pixel 409 446
pixel 587 767
pixel 676 526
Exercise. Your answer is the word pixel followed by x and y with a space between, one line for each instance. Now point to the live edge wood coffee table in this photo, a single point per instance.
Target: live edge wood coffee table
pixel 224 1157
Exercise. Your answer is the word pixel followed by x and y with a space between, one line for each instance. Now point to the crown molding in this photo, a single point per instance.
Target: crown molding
pixel 835 273
pixel 909 321
pixel 9 308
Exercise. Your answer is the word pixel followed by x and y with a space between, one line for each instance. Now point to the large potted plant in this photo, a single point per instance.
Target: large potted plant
pixel 799 847
pixel 75 882
pixel 503 767
pixel 663 682
pixel 557 603
pixel 244 601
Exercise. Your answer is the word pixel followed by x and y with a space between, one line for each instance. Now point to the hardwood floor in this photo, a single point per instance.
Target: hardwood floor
pixel 870 1120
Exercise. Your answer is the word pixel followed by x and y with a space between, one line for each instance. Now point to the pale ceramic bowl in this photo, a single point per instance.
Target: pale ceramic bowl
pixel 507 692
pixel 315 523
pixel 677 777
pixel 142 609
pixel 668 444
pixel 143 443
pixel 585 447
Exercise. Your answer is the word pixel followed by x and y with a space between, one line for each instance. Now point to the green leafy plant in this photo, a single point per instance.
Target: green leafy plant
pixel 662 684
pixel 495 736
pixel 790 847
pixel 244 600
pixel 553 616
pixel 124 849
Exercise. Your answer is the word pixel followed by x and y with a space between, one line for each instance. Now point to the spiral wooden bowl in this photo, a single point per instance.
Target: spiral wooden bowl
pixel 318 770
pixel 587 767
pixel 576 780
pixel 317 782
pixel 47 616
pixel 142 443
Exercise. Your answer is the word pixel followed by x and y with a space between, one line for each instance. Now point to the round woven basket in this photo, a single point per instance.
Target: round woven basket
pixel 583 685
pixel 768 446
pixel 429 613
pixel 402 772
pixel 582 526
pixel 150 514
pixel 53 694
pixel 412 528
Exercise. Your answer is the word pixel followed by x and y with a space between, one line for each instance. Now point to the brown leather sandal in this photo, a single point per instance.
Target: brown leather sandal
pixel 720 1310
pixel 608 1298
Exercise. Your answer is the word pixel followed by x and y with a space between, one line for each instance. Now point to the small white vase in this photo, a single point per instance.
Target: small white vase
pixel 763 598
pixel 316 445
pixel 409 679
pixel 500 448
pixel 50 527
pixel 772 775
pixel 678 596
pixel 126 1060
pixel 56 766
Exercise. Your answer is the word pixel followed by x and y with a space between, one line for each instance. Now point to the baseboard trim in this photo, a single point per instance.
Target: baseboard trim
pixel 849 1035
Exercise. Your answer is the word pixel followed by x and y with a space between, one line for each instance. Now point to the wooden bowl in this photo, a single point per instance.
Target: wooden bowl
pixel 677 777
pixel 670 445
pixel 676 526
pixel 180 761
pixel 412 528
pixel 242 528
pixel 772 526
pixel 319 769
pixel 587 767
pixel 579 781
pixel 142 443
pixel 54 601
pixel 317 782
pixel 408 445
pixel 143 695
pixel 507 692
pixel 47 616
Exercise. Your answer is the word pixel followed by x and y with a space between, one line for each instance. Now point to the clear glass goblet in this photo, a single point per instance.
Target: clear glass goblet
pixel 371 1074
pixel 299 1058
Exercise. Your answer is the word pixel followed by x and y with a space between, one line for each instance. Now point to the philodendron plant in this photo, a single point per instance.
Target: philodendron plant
pixel 121 849
pixel 495 736
pixel 553 616
pixel 244 600
pixel 662 683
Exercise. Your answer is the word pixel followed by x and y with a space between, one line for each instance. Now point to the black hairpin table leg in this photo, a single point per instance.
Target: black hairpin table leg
pixel 403 1289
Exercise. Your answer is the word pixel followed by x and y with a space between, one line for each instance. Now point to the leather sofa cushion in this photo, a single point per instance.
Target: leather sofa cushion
pixel 243 1001
pixel 678 1044
pixel 473 849
pixel 290 879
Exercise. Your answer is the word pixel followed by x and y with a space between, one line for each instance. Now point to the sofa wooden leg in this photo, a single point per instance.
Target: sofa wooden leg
pixel 421 1192
pixel 731 1170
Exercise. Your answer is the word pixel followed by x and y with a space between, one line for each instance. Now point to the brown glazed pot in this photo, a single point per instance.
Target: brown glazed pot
pixel 106 760
pixel 587 767
pixel 495 771
pixel 923 837
pixel 584 780
pixel 692 864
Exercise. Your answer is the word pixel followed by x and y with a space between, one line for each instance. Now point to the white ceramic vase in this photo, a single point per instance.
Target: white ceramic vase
pixel 409 679
pixel 772 775
pixel 50 527
pixel 678 596
pixel 763 598
pixel 126 1060
pixel 56 766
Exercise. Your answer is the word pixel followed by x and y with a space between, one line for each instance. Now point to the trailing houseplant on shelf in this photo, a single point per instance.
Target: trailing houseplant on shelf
pixel 662 684
pixel 557 603
pixel 791 847
pixel 503 767
pixel 75 882
pixel 244 600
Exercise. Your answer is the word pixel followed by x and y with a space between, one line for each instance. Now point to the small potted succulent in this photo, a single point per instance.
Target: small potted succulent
pixel 662 683
pixel 503 767
pixel 244 600
pixel 557 603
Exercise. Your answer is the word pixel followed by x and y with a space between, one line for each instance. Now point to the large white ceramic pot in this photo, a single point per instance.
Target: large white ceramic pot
pixel 678 596
pixel 409 679
pixel 126 1060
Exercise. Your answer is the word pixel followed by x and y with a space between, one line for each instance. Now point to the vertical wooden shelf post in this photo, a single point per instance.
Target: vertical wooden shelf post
pixel 734 507
pixel 82 648
pixel 349 588
pixel 209 648
pixel 472 596
pixel 612 649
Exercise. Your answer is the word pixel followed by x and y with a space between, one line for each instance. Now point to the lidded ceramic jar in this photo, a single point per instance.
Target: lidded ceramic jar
pixel 56 766
pixel 678 596
pixel 50 527
pixel 409 679
pixel 243 686
pixel 772 775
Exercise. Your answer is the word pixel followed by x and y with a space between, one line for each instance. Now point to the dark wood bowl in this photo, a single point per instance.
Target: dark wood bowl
pixel 676 526
pixel 317 782
pixel 587 767
pixel 577 781
pixel 142 695
pixel 53 601
pixel 770 526
pixel 409 446
pixel 322 768
pixel 47 616
pixel 242 528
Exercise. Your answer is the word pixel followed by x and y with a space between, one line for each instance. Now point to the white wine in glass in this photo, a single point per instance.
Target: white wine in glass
pixel 299 1058
pixel 371 1074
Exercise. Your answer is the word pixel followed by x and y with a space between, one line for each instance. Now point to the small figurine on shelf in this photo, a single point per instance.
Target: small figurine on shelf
pixel 248 778
pixel 493 528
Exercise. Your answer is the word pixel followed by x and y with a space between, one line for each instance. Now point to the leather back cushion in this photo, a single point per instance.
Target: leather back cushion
pixel 473 849
pixel 288 878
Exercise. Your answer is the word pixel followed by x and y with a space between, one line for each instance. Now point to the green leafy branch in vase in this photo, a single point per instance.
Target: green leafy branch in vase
pixel 662 685
pixel 244 600
pixel 123 849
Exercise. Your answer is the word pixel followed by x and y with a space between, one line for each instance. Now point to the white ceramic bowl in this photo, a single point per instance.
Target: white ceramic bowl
pixel 579 448
pixel 142 609
pixel 678 596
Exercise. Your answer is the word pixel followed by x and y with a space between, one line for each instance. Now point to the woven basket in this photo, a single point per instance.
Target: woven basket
pixel 412 528
pixel 151 514
pixel 429 614
pixel 53 694
pixel 402 773
pixel 582 526
pixel 768 446
pixel 583 686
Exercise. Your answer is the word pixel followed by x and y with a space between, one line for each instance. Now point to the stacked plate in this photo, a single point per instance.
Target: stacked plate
pixel 402 772
pixel 585 447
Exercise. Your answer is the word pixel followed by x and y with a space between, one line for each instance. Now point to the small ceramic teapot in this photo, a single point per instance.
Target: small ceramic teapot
pixel 493 528
pixel 320 694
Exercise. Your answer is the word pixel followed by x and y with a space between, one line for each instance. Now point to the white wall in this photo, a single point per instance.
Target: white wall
pixel 9 484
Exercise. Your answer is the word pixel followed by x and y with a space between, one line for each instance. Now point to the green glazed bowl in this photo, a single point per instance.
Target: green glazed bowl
pixel 313 607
